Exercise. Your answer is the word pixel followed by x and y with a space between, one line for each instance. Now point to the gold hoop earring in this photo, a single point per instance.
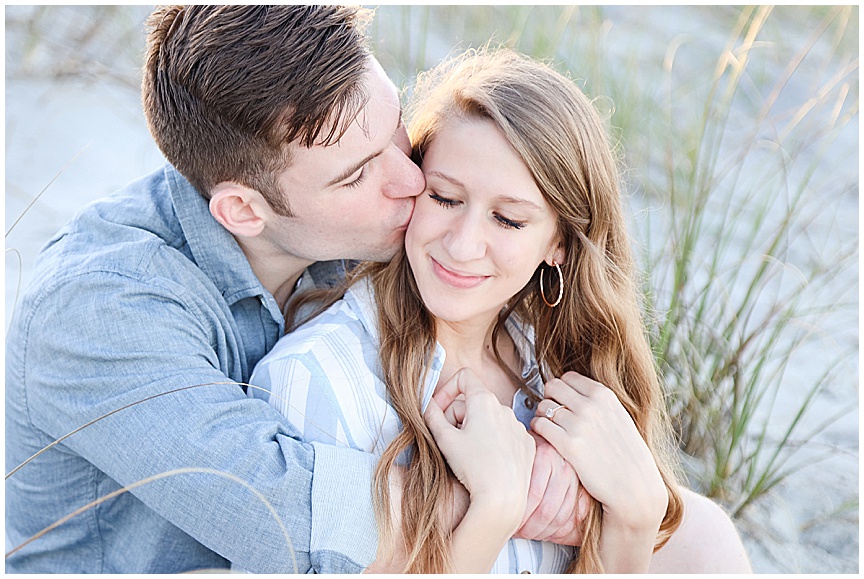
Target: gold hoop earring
pixel 560 287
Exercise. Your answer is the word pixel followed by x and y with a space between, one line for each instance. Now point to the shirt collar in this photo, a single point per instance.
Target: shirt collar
pixel 214 249
pixel 361 296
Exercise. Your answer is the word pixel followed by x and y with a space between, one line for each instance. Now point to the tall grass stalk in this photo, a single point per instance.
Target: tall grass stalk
pixel 729 166
pixel 162 475
pixel 733 310
pixel 151 479
pixel 19 269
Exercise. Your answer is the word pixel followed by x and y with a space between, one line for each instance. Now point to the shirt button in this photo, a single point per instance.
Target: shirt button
pixel 529 404
pixel 525 572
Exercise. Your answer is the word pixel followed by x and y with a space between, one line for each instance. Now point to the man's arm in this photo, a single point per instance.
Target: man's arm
pixel 105 341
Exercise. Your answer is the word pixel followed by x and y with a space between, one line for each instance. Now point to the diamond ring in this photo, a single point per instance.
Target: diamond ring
pixel 550 412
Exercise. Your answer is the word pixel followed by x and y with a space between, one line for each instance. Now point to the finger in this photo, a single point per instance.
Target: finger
pixel 565 519
pixel 463 382
pixel 446 393
pixel 583 503
pixel 455 413
pixel 571 534
pixel 438 424
pixel 470 383
pixel 548 508
pixel 582 384
pixel 537 485
pixel 563 392
pixel 554 435
pixel 550 405
pixel 546 490
pixel 536 489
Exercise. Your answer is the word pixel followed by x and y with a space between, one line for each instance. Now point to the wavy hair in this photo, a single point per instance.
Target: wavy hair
pixel 226 88
pixel 596 330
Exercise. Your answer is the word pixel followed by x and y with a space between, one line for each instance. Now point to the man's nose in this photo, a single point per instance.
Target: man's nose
pixel 405 179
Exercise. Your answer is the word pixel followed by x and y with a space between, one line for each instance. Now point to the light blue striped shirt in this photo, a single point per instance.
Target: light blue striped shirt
pixel 325 377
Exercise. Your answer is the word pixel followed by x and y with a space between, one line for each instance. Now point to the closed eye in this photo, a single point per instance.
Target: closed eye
pixel 356 182
pixel 443 201
pixel 509 223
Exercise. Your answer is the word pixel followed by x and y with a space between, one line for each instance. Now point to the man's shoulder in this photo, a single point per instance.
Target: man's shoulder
pixel 132 235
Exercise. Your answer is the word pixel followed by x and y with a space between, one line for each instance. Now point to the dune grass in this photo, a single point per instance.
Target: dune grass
pixel 729 149
pixel 734 134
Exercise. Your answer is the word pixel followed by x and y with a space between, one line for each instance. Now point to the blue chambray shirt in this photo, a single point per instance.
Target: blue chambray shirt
pixel 141 294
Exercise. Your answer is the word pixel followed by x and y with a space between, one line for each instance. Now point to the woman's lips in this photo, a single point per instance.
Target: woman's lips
pixel 454 279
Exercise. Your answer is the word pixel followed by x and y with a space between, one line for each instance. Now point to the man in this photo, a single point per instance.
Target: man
pixel 150 308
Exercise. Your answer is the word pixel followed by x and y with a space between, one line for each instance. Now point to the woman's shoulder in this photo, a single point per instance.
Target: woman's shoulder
pixel 346 325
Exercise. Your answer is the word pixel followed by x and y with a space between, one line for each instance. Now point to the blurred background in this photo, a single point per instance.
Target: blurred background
pixel 738 132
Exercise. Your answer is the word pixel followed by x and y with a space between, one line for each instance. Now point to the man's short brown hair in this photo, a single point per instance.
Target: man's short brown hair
pixel 226 88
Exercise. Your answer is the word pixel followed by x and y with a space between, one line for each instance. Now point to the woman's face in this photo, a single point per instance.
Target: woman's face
pixel 481 227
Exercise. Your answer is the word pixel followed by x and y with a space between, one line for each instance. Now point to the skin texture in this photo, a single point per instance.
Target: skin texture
pixel 594 433
pixel 467 266
pixel 493 464
pixel 481 227
pixel 706 542
pixel 353 200
pixel 350 200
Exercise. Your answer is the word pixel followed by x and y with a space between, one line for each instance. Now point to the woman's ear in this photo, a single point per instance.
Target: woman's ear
pixel 240 210
pixel 556 254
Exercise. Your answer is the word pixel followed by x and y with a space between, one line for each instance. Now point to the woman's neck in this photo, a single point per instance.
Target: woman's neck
pixel 469 345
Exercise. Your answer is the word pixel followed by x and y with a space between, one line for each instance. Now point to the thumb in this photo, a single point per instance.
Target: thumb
pixel 469 383
pixel 448 392
pixel 437 422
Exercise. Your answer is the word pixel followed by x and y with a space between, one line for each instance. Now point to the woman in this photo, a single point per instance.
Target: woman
pixel 517 269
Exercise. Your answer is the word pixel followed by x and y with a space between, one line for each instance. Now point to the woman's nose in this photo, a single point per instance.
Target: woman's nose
pixel 464 240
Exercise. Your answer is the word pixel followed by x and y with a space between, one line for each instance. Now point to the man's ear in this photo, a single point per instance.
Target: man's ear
pixel 240 210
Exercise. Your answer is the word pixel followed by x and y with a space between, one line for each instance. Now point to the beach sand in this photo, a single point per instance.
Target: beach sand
pixel 808 524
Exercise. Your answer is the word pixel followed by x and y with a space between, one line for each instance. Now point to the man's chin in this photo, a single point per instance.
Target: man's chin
pixel 384 254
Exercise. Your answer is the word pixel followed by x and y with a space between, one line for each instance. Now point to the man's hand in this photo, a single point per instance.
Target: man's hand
pixel 557 503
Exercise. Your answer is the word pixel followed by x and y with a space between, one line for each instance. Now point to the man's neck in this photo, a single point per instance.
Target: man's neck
pixel 278 272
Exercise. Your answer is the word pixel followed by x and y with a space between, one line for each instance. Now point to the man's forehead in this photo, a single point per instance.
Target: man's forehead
pixel 382 109
pixel 366 135
pixel 377 119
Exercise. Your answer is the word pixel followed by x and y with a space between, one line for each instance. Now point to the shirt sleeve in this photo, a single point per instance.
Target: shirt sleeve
pixel 301 388
pixel 228 470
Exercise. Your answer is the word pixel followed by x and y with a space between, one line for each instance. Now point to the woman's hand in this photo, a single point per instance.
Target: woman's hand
pixel 557 503
pixel 491 454
pixel 488 449
pixel 595 434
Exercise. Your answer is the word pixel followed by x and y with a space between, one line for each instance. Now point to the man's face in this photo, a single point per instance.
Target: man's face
pixel 353 199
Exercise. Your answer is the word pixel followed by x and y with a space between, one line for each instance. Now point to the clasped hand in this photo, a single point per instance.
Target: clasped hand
pixel 593 434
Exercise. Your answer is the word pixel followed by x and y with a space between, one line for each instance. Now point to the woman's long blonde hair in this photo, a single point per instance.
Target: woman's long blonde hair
pixel 596 330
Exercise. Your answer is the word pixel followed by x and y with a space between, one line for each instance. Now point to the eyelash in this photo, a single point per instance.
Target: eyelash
pixel 356 182
pixel 502 221
pixel 442 201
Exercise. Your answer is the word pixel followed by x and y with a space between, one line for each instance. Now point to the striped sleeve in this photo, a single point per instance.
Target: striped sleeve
pixel 322 379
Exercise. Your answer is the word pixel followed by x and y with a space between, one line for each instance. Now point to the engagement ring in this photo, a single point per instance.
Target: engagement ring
pixel 550 412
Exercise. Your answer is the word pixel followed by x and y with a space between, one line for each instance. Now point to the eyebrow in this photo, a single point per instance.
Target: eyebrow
pixel 509 199
pixel 353 169
pixel 356 166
